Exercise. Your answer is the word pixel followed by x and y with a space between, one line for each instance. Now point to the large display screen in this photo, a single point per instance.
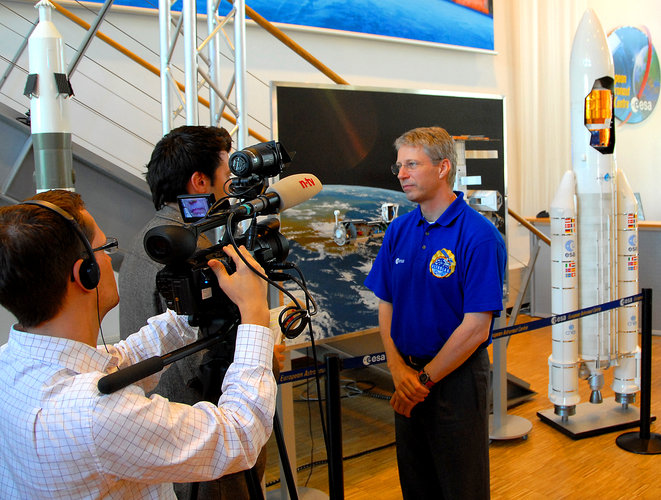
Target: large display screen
pixel 344 135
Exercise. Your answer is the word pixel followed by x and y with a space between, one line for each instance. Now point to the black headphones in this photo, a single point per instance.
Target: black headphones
pixel 89 273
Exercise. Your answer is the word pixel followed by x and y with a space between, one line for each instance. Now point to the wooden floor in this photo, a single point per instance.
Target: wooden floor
pixel 547 465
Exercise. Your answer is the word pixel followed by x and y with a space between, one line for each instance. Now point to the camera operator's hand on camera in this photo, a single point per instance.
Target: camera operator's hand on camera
pixel 244 287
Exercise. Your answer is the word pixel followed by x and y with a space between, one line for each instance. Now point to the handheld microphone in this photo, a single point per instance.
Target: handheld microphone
pixel 286 193
pixel 169 244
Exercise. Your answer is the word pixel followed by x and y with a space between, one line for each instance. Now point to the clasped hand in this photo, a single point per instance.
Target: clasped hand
pixel 408 389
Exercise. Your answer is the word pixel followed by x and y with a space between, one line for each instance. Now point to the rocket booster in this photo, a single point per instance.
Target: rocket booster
pixel 563 361
pixel 626 375
pixel 592 146
pixel 48 89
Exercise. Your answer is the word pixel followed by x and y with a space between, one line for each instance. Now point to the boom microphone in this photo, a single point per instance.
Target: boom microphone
pixel 284 194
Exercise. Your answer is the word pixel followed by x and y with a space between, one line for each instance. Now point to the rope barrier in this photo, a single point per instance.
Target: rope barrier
pixel 570 316
pixel 380 357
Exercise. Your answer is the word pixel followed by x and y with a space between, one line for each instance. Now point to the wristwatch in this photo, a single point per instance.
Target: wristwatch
pixel 425 379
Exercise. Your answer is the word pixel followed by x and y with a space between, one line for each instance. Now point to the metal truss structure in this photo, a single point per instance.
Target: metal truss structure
pixel 202 66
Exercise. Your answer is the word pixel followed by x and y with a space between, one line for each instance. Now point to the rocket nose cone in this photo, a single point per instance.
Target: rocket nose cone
pixel 589 23
pixel 590 56
pixel 589 32
pixel 563 201
pixel 45 8
pixel 626 199
pixel 589 17
pixel 568 181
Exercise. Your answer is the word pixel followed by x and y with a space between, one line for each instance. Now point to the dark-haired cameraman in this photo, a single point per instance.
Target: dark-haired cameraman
pixel 188 160
pixel 59 436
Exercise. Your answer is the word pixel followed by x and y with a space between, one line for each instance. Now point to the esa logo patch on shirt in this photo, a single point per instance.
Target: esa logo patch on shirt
pixel 442 264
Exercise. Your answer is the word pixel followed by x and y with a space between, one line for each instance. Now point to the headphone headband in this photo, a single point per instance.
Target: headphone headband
pixel 89 270
pixel 50 206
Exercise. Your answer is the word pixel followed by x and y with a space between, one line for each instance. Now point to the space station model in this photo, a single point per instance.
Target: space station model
pixel 486 201
pixel 48 89
pixel 594 240
pixel 360 230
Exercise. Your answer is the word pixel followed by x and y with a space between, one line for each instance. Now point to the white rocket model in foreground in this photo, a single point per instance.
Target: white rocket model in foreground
pixel 626 375
pixel 48 88
pixel 587 268
pixel 564 361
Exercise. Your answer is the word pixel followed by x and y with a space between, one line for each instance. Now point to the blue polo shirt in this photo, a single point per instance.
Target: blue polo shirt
pixel 433 274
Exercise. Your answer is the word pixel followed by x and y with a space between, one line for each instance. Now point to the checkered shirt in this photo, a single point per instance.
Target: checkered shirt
pixel 61 438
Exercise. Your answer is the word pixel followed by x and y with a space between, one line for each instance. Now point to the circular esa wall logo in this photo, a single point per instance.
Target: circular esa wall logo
pixel 636 73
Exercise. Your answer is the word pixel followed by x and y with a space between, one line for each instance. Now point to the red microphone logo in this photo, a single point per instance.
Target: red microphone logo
pixel 307 182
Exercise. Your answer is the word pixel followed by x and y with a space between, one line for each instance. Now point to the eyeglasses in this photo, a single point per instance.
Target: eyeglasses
pixel 410 165
pixel 110 246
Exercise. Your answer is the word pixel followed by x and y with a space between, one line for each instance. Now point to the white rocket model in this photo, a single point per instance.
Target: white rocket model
pixel 626 375
pixel 595 255
pixel 48 89
pixel 591 81
pixel 564 361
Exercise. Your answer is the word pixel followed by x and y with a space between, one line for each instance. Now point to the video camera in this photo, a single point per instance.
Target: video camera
pixel 187 283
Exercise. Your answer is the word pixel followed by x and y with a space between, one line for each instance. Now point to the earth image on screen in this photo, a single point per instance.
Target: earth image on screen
pixel 334 273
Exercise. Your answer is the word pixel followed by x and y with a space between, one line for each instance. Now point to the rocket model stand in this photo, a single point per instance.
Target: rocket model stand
pixel 594 247
pixel 593 419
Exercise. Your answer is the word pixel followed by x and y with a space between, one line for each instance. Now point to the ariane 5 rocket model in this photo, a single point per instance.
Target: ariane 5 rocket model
pixel 594 233
pixel 48 89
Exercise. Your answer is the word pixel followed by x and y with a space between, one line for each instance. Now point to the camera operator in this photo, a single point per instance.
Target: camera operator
pixel 60 437
pixel 188 160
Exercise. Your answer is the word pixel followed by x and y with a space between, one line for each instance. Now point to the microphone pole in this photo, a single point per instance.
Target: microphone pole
pixel 127 376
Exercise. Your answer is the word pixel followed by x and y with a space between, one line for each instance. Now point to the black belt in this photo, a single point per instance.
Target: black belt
pixel 415 362
pixel 418 363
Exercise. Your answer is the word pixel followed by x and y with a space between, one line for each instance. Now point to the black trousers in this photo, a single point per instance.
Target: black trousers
pixel 443 448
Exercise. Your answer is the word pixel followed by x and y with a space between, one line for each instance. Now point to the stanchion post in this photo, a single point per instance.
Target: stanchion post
pixel 284 458
pixel 334 419
pixel 646 364
pixel 643 442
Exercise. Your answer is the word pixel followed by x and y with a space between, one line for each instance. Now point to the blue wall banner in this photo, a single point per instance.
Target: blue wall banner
pixel 461 23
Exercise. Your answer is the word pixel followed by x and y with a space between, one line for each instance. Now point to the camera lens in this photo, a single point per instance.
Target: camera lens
pixel 266 159
pixel 240 163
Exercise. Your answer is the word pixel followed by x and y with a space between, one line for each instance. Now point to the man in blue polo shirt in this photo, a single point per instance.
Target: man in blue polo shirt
pixel 439 277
